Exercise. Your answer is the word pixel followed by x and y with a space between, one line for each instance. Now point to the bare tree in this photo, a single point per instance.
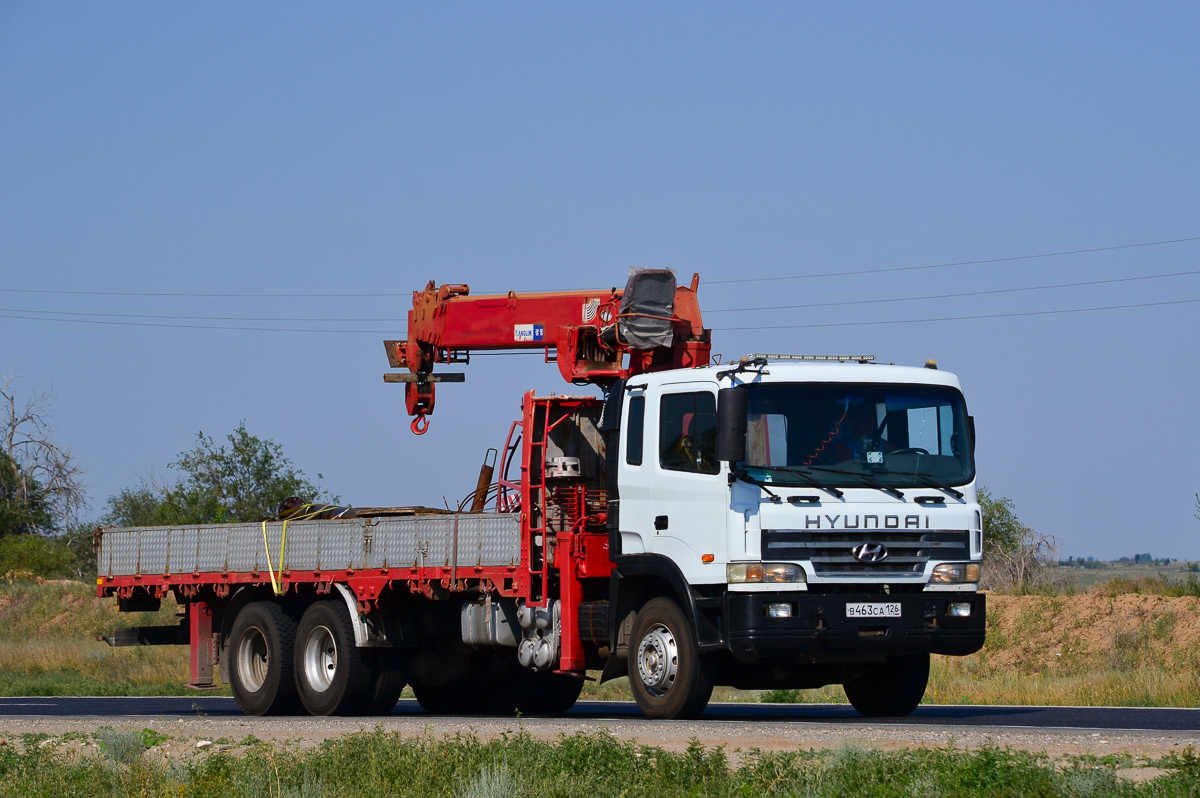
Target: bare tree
pixel 41 470
pixel 1032 565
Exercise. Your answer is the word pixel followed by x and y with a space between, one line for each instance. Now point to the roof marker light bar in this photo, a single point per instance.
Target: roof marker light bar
pixel 838 358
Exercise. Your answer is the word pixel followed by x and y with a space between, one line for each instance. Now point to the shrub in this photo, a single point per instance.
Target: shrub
pixel 245 481
pixel 122 747
pixel 35 555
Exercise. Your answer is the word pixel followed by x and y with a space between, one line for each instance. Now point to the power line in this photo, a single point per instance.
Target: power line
pixel 956 263
pixel 192 326
pixel 392 320
pixel 961 318
pixel 310 295
pixel 958 295
pixel 199 318
pixel 384 295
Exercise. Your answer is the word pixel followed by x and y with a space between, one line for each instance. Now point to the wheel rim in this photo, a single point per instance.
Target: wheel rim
pixel 658 660
pixel 320 659
pixel 253 659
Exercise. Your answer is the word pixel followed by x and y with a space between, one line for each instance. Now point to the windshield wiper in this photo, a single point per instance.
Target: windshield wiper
pixel 930 481
pixel 812 481
pixel 877 484
pixel 874 483
pixel 744 477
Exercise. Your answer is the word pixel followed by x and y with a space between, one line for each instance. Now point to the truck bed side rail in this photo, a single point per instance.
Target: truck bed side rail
pixel 461 540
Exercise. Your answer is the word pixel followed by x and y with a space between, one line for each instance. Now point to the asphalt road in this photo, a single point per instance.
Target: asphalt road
pixel 829 715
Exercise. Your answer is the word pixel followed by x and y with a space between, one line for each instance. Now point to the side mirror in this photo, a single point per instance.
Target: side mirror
pixel 971 433
pixel 731 424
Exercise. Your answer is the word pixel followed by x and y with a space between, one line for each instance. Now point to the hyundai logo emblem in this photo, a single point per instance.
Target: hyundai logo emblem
pixel 869 552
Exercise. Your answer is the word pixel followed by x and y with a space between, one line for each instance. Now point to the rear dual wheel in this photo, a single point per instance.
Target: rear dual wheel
pixel 260 671
pixel 336 677
pixel 280 666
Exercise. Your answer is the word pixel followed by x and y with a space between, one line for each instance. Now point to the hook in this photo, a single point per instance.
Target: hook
pixel 420 424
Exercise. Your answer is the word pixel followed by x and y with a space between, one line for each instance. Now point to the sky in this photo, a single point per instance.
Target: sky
pixel 325 149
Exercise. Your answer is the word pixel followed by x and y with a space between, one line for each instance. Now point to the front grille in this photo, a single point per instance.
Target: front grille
pixel 830 551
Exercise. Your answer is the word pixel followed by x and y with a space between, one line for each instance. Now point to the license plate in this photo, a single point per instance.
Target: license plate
pixel 886 609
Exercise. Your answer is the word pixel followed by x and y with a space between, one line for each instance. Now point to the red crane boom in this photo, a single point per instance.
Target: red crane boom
pixel 655 322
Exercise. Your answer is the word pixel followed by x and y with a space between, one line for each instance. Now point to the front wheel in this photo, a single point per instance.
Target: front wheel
pixel 891 689
pixel 665 670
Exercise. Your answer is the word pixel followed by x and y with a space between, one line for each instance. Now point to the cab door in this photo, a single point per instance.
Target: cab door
pixel 635 474
pixel 690 491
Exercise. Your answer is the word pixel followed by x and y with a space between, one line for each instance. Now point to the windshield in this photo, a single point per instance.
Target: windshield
pixel 853 435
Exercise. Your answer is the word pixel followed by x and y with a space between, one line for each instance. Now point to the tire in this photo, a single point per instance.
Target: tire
pixel 387 682
pixel 443 673
pixel 260 669
pixel 491 685
pixel 546 693
pixel 333 676
pixel 509 689
pixel 891 689
pixel 666 673
pixel 457 698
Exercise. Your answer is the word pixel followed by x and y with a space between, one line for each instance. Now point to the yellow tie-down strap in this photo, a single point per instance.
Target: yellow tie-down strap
pixel 275 586
pixel 302 513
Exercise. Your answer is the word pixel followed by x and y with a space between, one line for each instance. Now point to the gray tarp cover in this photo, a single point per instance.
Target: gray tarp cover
pixel 650 292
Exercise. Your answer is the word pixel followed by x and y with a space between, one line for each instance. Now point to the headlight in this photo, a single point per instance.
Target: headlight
pixel 782 572
pixel 742 572
pixel 738 572
pixel 955 572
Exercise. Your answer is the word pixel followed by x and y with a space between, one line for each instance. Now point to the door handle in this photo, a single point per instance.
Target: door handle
pixel 660 522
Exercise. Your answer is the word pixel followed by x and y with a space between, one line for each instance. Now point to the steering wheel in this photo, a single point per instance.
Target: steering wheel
pixel 910 450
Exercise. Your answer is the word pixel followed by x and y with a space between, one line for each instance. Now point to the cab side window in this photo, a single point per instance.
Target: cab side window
pixel 687 432
pixel 634 430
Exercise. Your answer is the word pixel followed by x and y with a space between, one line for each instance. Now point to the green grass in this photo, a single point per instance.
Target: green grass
pixel 1123 575
pixel 590 766
pixel 48 645
pixel 64 682
pixel 1159 584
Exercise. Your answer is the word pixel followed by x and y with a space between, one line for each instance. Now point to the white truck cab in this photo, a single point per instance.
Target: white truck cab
pixel 821 516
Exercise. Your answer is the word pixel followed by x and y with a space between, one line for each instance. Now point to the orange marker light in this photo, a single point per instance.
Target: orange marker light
pixel 707 558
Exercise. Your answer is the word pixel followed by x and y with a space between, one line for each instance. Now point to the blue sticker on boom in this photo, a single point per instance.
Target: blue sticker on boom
pixel 524 333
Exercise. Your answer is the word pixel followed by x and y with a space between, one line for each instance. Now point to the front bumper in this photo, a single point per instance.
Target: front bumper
pixel 820 629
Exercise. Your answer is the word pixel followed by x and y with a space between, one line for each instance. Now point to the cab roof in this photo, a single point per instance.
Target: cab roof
pixel 773 371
